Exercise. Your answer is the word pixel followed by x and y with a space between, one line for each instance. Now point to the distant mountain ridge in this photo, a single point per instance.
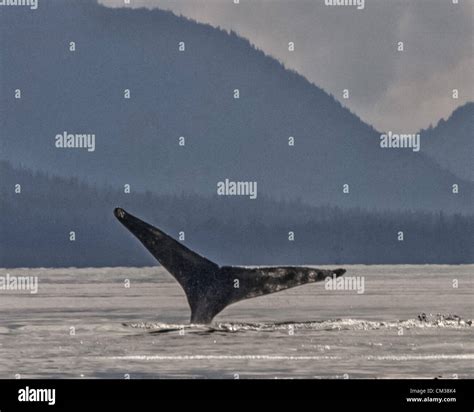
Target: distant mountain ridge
pixel 191 94
pixel 451 142
pixel 35 227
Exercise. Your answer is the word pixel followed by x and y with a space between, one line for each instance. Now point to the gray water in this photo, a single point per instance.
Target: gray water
pixel 87 323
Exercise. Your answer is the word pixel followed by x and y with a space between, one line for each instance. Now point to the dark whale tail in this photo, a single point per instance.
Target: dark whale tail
pixel 209 288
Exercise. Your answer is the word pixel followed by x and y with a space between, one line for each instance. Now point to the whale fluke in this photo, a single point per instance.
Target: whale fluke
pixel 209 288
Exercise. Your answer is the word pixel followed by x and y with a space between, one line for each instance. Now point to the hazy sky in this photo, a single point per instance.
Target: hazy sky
pixel 340 47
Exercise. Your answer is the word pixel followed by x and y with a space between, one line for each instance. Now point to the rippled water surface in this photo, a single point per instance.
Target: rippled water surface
pixel 410 322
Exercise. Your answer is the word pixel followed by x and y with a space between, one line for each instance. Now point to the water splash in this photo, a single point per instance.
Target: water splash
pixel 422 321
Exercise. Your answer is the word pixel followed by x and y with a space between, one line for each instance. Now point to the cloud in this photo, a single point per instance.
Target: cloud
pixel 344 48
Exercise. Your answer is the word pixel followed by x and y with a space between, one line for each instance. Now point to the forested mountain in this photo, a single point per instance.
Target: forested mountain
pixel 35 227
pixel 451 142
pixel 191 93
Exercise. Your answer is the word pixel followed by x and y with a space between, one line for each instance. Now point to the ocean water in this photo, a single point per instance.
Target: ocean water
pixel 86 323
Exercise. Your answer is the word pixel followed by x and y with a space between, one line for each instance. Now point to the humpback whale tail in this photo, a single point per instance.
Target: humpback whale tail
pixel 209 288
